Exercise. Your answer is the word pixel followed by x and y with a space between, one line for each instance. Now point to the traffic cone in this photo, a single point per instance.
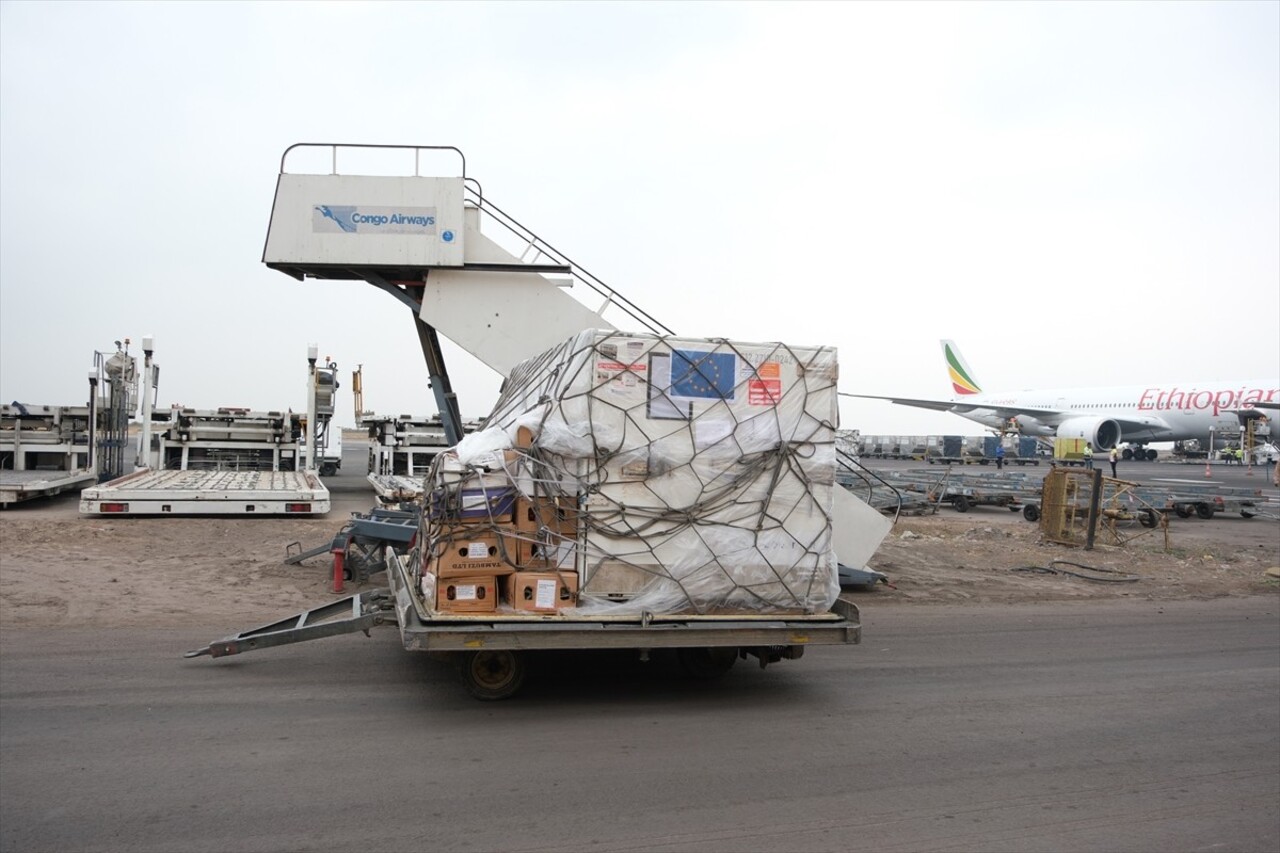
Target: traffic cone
pixel 1208 471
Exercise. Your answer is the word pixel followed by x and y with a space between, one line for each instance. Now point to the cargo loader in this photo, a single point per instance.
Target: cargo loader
pixel 46 450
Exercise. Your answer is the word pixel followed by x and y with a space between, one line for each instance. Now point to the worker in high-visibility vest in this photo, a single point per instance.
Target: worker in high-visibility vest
pixel 1088 455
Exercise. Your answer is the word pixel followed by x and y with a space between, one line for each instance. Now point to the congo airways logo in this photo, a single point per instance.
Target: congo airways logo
pixel 354 219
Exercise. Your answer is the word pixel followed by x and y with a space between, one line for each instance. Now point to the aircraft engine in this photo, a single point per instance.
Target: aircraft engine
pixel 1102 433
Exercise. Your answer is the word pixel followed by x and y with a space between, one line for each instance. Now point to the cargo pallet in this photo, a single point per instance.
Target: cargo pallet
pixel 148 492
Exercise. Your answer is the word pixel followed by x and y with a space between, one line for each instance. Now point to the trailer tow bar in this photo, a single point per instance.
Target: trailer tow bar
pixel 358 612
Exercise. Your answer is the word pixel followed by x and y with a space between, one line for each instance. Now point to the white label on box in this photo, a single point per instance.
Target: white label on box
pixel 464 592
pixel 477 550
pixel 564 555
pixel 546 593
pixel 471 503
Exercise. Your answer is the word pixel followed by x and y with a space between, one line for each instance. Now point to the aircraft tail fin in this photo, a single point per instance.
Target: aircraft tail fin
pixel 962 379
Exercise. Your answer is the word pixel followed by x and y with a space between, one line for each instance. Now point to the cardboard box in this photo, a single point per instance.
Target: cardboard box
pixel 541 592
pixel 545 552
pixel 559 515
pixel 477 594
pixel 487 505
pixel 462 553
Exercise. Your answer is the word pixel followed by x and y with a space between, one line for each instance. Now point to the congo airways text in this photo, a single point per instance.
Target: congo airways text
pixel 393 219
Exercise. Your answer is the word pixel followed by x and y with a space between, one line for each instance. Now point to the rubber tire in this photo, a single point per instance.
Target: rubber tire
pixel 1204 510
pixel 707 662
pixel 960 503
pixel 1244 513
pixel 328 469
pixel 1183 510
pixel 492 674
pixel 1031 512
pixel 1147 518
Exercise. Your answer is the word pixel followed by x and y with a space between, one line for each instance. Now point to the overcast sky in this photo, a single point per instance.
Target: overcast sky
pixel 1077 193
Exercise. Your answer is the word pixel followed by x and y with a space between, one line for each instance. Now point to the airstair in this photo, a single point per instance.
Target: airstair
pixel 421 239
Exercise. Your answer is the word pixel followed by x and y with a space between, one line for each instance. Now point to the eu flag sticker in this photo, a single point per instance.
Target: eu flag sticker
pixel 708 375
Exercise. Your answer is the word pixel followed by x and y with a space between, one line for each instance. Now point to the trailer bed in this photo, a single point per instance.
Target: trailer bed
pixel 197 492
pixel 424 630
pixel 396 488
pixel 18 486
pixel 490 648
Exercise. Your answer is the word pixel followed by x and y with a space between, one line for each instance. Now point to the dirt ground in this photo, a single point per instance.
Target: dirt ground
pixel 59 568
pixel 982 557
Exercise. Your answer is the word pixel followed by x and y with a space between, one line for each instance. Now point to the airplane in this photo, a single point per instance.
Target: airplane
pixel 1104 416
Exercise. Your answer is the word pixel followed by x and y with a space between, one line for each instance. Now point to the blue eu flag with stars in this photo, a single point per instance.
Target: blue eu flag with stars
pixel 708 375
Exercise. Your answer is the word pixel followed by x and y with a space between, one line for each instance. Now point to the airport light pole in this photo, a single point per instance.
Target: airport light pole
pixel 1208 470
pixel 313 352
pixel 93 422
pixel 144 440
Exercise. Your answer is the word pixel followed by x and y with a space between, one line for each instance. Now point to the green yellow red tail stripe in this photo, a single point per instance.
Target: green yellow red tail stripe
pixel 960 379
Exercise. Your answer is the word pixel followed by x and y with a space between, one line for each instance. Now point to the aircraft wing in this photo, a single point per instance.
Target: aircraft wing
pixel 960 408
pixel 936 405
pixel 1128 426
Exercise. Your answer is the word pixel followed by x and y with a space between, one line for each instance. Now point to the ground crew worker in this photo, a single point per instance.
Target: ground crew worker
pixel 999 456
pixel 1114 458
pixel 1088 455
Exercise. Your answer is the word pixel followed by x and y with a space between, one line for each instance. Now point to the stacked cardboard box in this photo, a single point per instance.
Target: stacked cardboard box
pixel 487 546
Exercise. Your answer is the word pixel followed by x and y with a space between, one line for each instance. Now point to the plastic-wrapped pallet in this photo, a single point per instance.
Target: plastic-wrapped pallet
pixel 704 468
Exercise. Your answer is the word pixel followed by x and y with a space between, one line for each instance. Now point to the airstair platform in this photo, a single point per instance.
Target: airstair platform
pixel 421 238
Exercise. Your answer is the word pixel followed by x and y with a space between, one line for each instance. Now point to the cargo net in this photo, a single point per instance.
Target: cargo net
pixel 651 475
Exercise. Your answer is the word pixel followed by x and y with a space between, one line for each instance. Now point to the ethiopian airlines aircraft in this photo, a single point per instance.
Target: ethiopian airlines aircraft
pixel 1136 414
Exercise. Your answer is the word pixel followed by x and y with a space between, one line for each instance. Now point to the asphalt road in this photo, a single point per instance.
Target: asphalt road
pixel 1125 726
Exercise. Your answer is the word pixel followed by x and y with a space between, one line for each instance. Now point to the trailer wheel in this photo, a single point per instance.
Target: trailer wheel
pixel 1183 510
pixel 961 503
pixel 1031 512
pixel 707 662
pixel 491 675
pixel 1147 518
pixel 1245 513
pixel 1204 510
pixel 328 469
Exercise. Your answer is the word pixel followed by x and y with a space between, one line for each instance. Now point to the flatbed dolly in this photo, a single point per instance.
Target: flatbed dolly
pixel 490 648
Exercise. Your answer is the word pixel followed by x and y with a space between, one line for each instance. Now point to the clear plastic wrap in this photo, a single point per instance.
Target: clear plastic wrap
pixel 700 471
